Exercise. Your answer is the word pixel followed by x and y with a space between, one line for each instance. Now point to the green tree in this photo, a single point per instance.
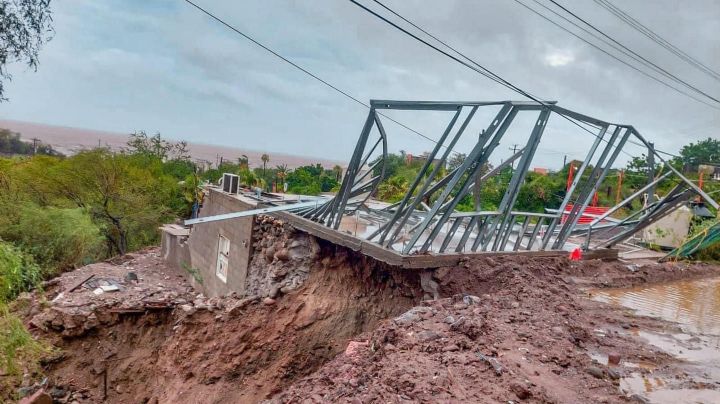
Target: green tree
pixel 25 25
pixel 394 189
pixel 265 159
pixel 703 152
pixel 57 238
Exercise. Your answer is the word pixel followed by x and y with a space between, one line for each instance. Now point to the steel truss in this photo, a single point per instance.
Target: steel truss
pixel 426 220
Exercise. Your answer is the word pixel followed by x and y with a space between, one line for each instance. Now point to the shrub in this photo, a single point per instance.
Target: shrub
pixel 57 238
pixel 18 272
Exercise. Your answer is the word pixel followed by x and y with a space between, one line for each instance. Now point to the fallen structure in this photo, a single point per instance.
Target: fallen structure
pixel 424 229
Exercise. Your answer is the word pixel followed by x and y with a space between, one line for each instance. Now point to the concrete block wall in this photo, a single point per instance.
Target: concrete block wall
pixel 203 245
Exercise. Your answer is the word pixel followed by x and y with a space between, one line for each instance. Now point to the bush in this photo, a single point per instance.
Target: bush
pixel 57 238
pixel 18 272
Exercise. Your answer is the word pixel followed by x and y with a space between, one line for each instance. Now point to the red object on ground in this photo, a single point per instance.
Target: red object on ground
pixel 576 254
pixel 592 210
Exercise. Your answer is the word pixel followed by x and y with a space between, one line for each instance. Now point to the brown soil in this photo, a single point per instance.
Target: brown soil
pixel 225 349
pixel 523 333
pixel 503 330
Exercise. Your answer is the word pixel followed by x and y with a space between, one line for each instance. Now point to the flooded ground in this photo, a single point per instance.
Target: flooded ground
pixel 693 306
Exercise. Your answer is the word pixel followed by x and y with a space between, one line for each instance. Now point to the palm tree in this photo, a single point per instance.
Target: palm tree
pixel 243 162
pixel 338 172
pixel 281 171
pixel 265 158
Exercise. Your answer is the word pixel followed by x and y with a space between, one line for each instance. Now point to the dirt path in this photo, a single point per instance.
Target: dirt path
pixel 355 331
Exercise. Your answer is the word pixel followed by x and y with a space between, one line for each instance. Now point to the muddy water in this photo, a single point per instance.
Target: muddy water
pixel 694 305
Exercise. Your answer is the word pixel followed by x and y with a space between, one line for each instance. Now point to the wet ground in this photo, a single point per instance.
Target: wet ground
pixel 693 309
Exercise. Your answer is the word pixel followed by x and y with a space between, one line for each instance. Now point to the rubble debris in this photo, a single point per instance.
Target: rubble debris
pixel 494 363
pixel 354 330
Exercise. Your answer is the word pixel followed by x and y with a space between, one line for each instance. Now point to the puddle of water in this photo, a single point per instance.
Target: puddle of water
pixel 640 384
pixel 694 304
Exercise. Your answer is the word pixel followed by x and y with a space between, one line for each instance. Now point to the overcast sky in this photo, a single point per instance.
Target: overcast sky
pixel 163 66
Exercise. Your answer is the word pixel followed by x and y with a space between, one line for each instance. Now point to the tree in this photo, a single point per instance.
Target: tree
pixel 281 171
pixel 25 25
pixel 703 152
pixel 338 172
pixel 265 159
pixel 393 189
pixel 244 162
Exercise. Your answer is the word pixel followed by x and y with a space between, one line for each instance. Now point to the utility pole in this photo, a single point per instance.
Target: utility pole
pixel 564 161
pixel 35 145
pixel 514 150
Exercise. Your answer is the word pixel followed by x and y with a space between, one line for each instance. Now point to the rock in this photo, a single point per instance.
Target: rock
pixel 427 335
pixel 282 255
pixel 557 330
pixel 187 308
pixel 287 289
pixel 520 390
pixel 268 301
pixel 26 391
pixel 614 359
pixel 595 372
pixel 515 305
pixel 269 254
pixel 470 299
pixel 614 374
pixel 413 315
pixel 639 399
pixel 457 324
pixel 58 392
pixel 406 318
pixel 40 397
pixel 451 348
pixel 449 319
pixel 274 292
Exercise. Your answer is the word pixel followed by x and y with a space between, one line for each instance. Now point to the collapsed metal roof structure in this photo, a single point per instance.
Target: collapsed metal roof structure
pixel 425 220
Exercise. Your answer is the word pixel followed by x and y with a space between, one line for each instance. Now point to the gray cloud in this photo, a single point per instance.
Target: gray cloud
pixel 127 65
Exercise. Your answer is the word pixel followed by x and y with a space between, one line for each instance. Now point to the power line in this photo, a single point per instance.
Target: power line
pixel 608 53
pixel 638 26
pixel 634 53
pixel 479 69
pixel 500 80
pixel 302 69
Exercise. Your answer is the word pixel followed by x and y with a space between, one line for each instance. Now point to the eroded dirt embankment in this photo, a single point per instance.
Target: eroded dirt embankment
pixel 502 330
pixel 229 349
pixel 524 332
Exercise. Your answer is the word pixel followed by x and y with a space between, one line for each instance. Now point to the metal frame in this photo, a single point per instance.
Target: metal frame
pixel 425 220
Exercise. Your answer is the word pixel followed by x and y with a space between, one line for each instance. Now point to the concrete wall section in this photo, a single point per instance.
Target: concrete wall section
pixel 203 244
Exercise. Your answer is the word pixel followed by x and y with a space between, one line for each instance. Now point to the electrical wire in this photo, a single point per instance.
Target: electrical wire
pixel 633 52
pixel 638 26
pixel 477 66
pixel 637 59
pixel 302 69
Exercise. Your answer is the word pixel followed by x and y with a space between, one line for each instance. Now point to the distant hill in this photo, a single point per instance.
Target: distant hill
pixel 69 141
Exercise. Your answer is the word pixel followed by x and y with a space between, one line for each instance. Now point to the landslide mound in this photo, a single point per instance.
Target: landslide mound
pixel 233 349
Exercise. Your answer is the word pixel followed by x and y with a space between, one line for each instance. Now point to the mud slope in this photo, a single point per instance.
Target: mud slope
pixel 231 349
pixel 512 330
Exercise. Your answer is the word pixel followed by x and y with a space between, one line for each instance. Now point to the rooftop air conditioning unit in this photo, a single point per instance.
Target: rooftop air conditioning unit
pixel 230 183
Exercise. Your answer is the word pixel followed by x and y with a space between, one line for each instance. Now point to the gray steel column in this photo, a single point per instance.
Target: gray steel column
pixel 476 158
pixel 651 173
pixel 508 201
pixel 401 207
